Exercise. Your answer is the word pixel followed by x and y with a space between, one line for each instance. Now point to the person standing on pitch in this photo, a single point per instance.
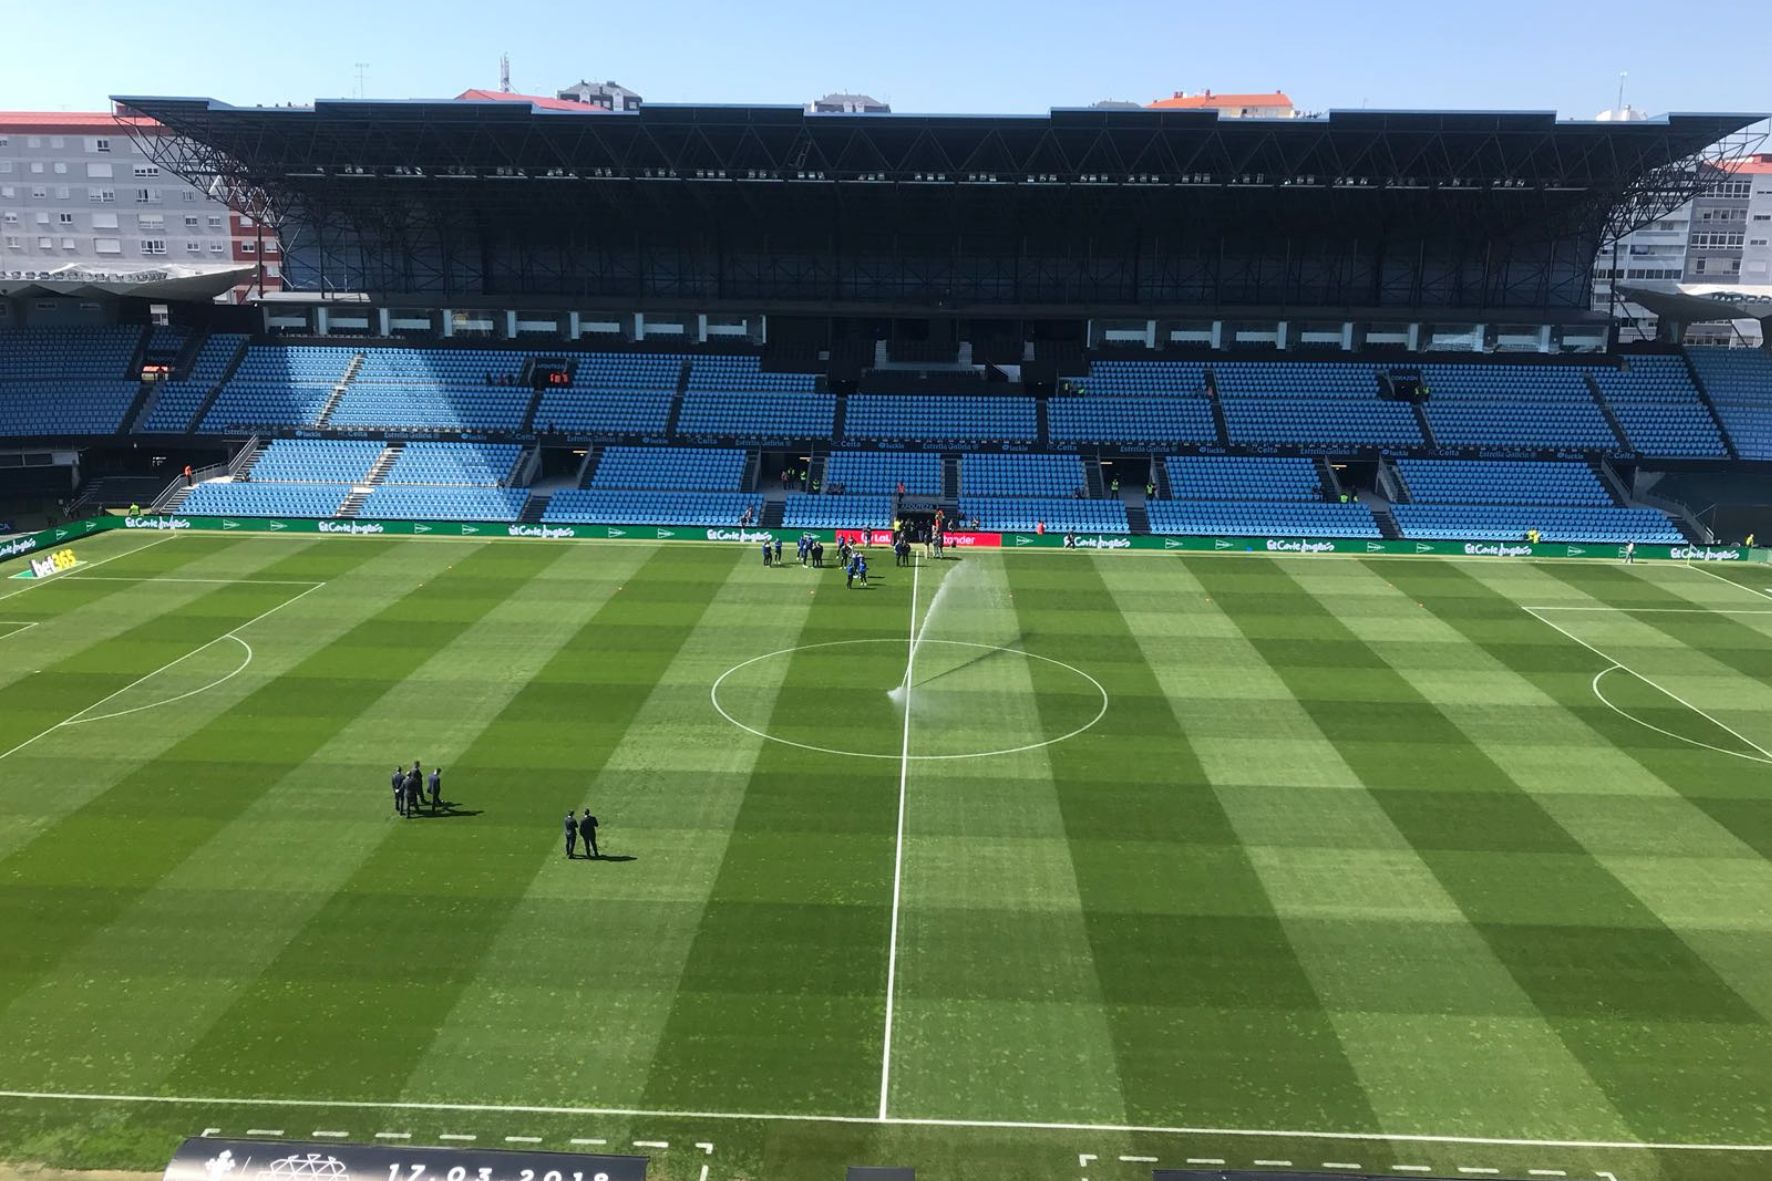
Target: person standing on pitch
pixel 436 789
pixel 778 551
pixel 766 553
pixel 1630 552
pixel 587 829
pixel 571 836
pixel 399 791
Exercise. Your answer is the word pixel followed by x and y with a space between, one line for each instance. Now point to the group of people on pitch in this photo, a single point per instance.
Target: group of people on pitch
pixel 409 790
pixel 585 830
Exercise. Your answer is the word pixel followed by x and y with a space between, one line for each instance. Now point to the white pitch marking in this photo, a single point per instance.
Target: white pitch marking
pixel 522 1139
pixel 1139 1160
pixel 19 626
pixel 1766 755
pixel 704 1173
pixel 904 771
pixel 706 1146
pixel 231 634
pixel 33 584
pixel 1205 1160
pixel 1713 574
pixel 1083 1159
pixel 458 1136
pixel 329 1135
pixel 1476 1172
pixel 1660 610
pixel 1412 1168
pixel 1284 1164
pixel 248 581
pixel 393 1135
pixel 262 1131
pixel 1607 702
pixel 588 1140
pixel 652 1144
pixel 1607 1176
pixel 210 1131
pixel 1546 1173
pixel 1335 1164
pixel 893 1121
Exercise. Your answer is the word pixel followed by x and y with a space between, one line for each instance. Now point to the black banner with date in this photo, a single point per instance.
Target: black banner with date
pixel 203 1159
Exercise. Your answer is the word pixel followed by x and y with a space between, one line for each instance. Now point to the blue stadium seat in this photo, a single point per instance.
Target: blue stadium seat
pixel 1455 481
pixel 863 511
pixel 607 506
pixel 883 471
pixel 222 498
pixel 1467 522
pixel 1026 513
pixel 934 419
pixel 479 464
pixel 410 502
pixel 66 381
pixel 691 469
pixel 1739 382
pixel 315 461
pixel 991 474
pixel 1252 478
pixel 176 401
pixel 1654 399
pixel 1248 518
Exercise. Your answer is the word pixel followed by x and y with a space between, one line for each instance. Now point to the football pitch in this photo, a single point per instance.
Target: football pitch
pixel 1042 864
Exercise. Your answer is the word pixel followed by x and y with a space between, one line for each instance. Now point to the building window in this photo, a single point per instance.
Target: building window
pixel 39 194
pixel 99 170
pixel 151 221
pixel 61 167
pixel 108 245
pixel 216 248
pixel 37 166
pixel 42 219
pixel 66 219
pixel 101 196
pixel 55 142
pixel 104 221
pixel 9 217
pixel 147 196
pixel 193 247
pixel 14 242
pixel 190 221
pixel 46 243
pixel 153 245
pixel 63 192
pixel 101 145
pixel 5 165
pixel 1698 267
pixel 215 221
pixel 6 192
pixel 33 141
pixel 146 172
pixel 68 244
pixel 248 248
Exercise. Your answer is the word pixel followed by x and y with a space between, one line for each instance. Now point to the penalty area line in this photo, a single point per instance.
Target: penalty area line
pixel 890 1121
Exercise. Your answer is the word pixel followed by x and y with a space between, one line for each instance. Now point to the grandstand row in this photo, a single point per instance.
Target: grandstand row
pixel 1484 449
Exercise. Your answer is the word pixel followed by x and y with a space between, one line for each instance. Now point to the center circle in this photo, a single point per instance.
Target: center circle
pixel 845 697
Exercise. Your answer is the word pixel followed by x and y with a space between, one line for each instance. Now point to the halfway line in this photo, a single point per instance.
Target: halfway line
pixel 904 770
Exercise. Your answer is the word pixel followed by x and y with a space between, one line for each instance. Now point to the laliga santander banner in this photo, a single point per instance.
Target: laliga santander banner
pixel 970 540
pixel 952 539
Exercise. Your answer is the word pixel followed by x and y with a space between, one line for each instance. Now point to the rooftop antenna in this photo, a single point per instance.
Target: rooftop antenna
pixel 1622 75
pixel 504 72
pixel 362 71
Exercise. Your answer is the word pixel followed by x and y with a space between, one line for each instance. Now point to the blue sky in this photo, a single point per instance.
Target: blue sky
pixel 920 55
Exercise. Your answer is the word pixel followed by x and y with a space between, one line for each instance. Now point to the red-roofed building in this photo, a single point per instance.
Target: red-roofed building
pixel 1273 105
pixel 542 102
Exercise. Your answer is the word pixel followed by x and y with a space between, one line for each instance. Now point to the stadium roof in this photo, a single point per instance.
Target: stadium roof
pixel 168 281
pixel 72 121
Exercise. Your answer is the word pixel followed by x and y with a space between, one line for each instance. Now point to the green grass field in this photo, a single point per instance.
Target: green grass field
pixel 1346 862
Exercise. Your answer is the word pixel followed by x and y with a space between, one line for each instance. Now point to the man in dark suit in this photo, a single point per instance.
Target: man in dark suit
pixel 436 789
pixel 399 792
pixel 587 831
pixel 571 837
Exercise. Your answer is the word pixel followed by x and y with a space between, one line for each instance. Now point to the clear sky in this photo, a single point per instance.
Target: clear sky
pixel 983 56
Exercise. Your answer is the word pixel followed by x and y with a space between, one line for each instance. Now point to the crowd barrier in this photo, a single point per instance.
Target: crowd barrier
pixel 178 523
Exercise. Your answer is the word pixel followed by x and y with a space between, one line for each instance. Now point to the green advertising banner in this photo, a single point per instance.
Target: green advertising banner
pixel 177 523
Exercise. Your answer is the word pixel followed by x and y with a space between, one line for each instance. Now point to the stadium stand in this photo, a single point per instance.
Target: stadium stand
pixel 1295 379
pixel 1013 474
pixel 805 511
pixel 664 468
pixel 1656 403
pixel 1326 422
pixel 1252 478
pixel 937 419
pixel 1466 522
pixel 278 386
pixel 438 388
pixel 413 502
pixel 1151 421
pixel 1514 405
pixel 1253 518
pixel 176 401
pixel 743 374
pixel 613 394
pixel 1452 481
pixel 720 414
pixel 224 498
pixel 883 471
pixel 1142 379
pixel 603 506
pixel 479 464
pixel 315 461
pixel 1026 513
pixel 1739 382
pixel 66 381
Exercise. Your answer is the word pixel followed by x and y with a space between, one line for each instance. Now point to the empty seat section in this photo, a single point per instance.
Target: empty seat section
pixel 613 394
pixel 1321 422
pixel 883 471
pixel 744 374
pixel 1739 382
pixel 315 461
pixel 1475 522
pixel 278 386
pixel 1296 379
pixel 609 506
pixel 66 381
pixel 176 401
pixel 1656 403
pixel 868 511
pixel 1142 379
pixel 757 415
pixel 410 502
pixel 1058 515
pixel 1457 481
pixel 224 498
pixel 1513 406
pixel 1010 474
pixel 687 468
pixel 1231 477
pixel 1258 519
pixel 931 418
pixel 483 464
pixel 448 389
pixel 1128 420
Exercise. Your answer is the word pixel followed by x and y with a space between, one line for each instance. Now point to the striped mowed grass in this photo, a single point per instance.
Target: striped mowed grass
pixel 1212 858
